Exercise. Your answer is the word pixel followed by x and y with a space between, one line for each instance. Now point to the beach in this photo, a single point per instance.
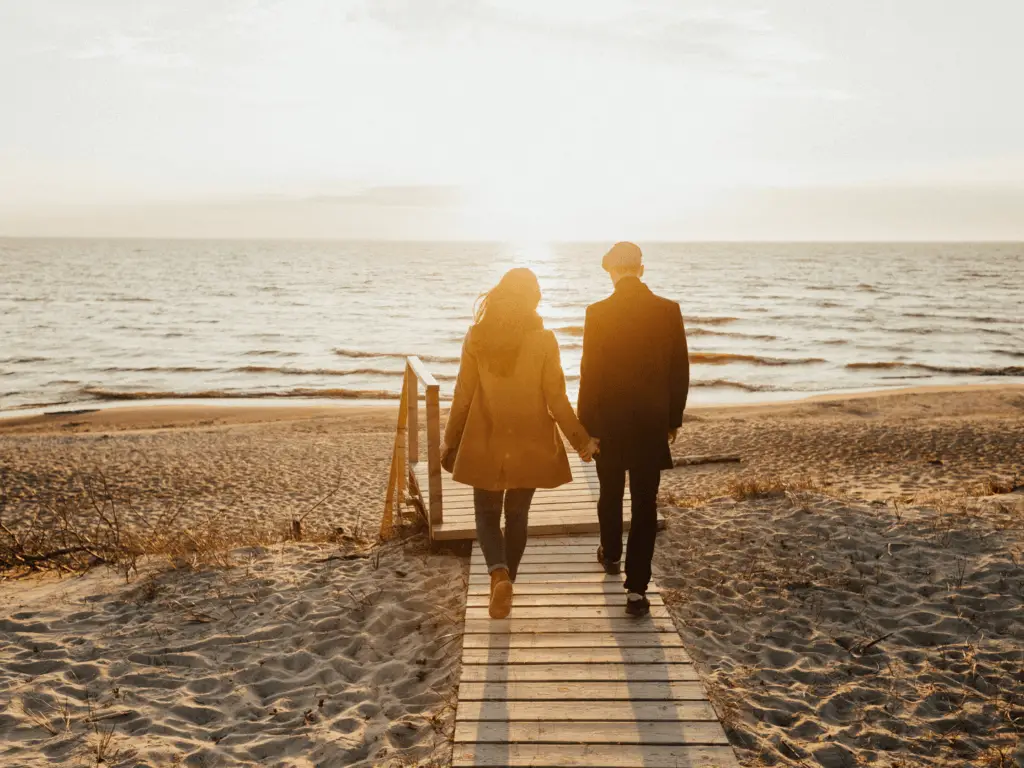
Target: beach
pixel 845 518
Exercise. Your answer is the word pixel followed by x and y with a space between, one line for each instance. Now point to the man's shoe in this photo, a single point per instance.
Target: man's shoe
pixel 501 594
pixel 611 567
pixel 637 605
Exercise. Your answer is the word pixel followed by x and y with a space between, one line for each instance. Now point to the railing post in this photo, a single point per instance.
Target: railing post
pixel 434 453
pixel 412 385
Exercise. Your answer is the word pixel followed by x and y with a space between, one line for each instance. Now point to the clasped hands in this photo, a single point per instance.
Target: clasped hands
pixel 594 446
pixel 591 450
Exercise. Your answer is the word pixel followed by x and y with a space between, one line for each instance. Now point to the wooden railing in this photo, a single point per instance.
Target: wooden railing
pixel 406 453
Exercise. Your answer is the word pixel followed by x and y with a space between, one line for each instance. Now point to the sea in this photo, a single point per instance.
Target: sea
pixel 85 322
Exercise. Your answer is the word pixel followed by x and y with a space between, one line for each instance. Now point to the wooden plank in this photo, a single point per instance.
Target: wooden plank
pixel 544 527
pixel 421 372
pixel 433 452
pixel 610 600
pixel 466 531
pixel 608 587
pixel 582 510
pixel 582 691
pixel 605 673
pixel 573 487
pixel 395 496
pixel 583 640
pixel 569 494
pixel 580 490
pixel 541 498
pixel 550 555
pixel 535 578
pixel 669 656
pixel 412 384
pixel 568 612
pixel 535 569
pixel 538 556
pixel 566 515
pixel 581 540
pixel 401 471
pixel 591 732
pixel 536 547
pixel 593 755
pixel 544 505
pixel 625 625
pixel 571 711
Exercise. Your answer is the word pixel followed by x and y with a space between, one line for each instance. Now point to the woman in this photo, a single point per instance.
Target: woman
pixel 501 429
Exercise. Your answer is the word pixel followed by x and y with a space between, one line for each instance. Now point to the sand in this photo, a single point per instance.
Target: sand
pixel 254 467
pixel 283 660
pixel 837 634
pixel 776 595
pixel 877 446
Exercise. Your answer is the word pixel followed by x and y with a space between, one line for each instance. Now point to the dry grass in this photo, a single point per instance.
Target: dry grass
pixel 747 486
pixel 754 486
pixel 72 533
pixel 995 486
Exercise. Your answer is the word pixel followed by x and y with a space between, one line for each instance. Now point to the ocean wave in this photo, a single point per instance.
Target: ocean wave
pixel 158 369
pixel 722 358
pixel 24 360
pixel 707 320
pixel 969 318
pixel 731 334
pixel 1009 352
pixel 100 393
pixel 570 330
pixel 288 371
pixel 727 383
pixel 868 366
pixel 269 352
pixel 925 331
pixel 955 370
pixel 359 354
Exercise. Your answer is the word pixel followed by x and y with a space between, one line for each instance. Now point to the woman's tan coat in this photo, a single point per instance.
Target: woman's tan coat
pixel 504 427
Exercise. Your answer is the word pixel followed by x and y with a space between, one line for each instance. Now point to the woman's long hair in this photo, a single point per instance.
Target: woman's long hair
pixel 503 316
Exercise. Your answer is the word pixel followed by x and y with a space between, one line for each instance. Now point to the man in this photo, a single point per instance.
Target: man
pixel 634 379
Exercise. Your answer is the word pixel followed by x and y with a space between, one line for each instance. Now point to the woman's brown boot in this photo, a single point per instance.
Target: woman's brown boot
pixel 501 594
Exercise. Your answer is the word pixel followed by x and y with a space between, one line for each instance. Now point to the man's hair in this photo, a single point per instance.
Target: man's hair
pixel 623 257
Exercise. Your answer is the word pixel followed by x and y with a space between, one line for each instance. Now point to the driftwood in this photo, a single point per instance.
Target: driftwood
pixel 712 458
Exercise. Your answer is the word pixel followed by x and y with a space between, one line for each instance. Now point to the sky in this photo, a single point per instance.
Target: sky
pixel 513 119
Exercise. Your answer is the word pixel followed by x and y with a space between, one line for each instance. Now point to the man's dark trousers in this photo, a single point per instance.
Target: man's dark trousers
pixel 643 488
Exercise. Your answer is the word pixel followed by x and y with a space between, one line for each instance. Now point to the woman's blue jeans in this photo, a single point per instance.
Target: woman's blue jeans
pixel 502 551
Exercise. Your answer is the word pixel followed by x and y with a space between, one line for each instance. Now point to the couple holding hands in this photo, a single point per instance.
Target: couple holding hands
pixel 501 437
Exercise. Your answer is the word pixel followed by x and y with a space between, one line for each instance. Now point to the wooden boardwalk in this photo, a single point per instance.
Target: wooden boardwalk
pixel 569 509
pixel 571 680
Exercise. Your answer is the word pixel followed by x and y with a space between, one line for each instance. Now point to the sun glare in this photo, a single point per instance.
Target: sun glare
pixel 535 255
